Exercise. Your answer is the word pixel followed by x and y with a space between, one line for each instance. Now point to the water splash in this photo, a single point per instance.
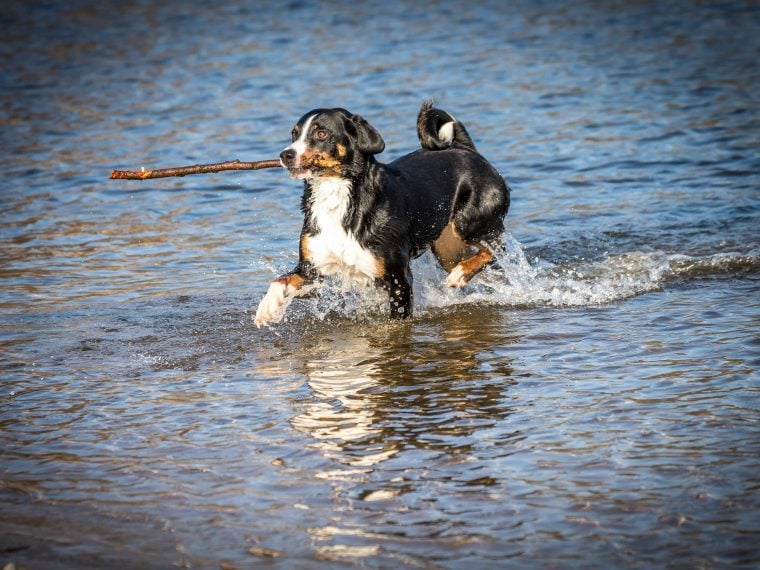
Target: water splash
pixel 519 282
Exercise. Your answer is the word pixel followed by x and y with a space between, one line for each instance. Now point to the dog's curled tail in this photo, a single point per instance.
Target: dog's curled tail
pixel 438 130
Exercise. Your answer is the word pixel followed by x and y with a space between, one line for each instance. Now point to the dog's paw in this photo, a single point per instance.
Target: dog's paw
pixel 457 277
pixel 272 307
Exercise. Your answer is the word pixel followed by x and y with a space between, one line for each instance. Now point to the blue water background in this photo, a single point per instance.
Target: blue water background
pixel 594 406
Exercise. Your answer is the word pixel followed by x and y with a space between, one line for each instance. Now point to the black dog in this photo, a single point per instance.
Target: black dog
pixel 365 221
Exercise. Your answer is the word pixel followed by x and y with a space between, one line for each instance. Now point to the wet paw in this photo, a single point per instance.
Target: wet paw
pixel 457 277
pixel 272 307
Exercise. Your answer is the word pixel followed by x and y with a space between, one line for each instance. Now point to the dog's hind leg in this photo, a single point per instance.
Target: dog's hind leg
pixel 468 268
pixel 450 249
pixel 462 259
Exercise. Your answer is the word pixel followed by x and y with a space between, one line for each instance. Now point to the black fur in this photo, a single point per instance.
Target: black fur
pixel 396 211
pixel 429 122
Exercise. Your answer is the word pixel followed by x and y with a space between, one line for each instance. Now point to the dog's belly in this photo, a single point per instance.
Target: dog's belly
pixel 339 254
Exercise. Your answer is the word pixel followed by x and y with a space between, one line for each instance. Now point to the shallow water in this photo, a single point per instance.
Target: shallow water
pixel 592 403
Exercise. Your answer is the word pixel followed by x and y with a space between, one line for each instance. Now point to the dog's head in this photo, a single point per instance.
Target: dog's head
pixel 330 143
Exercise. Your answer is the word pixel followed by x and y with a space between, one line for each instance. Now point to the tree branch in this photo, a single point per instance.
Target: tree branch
pixel 197 169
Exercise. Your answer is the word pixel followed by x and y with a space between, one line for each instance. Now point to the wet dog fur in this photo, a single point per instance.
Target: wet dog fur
pixel 365 221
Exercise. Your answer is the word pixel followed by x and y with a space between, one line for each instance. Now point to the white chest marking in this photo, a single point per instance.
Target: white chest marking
pixel 333 250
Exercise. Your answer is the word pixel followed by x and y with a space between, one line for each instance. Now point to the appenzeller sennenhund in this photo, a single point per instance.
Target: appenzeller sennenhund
pixel 365 221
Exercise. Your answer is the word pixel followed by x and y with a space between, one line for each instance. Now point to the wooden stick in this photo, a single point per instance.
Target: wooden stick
pixel 197 169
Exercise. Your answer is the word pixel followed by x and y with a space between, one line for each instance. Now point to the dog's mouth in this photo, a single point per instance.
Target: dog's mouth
pixel 300 173
pixel 313 171
pixel 311 164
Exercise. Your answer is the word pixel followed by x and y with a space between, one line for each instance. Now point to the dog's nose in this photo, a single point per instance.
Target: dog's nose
pixel 288 156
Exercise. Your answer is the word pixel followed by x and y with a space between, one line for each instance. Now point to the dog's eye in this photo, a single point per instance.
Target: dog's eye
pixel 294 133
pixel 321 135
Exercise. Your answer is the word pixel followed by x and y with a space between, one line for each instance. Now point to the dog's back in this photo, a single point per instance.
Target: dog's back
pixel 439 130
pixel 447 181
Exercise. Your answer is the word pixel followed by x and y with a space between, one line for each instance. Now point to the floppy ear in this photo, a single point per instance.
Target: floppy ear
pixel 368 140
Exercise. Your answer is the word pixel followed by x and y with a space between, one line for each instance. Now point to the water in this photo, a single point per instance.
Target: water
pixel 593 404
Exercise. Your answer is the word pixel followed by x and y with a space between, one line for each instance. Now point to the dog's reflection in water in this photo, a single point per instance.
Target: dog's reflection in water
pixel 402 386
pixel 345 382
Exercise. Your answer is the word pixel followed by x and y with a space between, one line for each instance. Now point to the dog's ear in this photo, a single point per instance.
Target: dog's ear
pixel 368 140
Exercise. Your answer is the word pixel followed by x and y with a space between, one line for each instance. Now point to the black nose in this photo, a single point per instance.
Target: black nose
pixel 288 156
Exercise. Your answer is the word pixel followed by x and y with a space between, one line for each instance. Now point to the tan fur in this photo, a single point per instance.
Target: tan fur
pixel 305 253
pixel 473 265
pixel 379 268
pixel 321 160
pixel 292 280
pixel 449 248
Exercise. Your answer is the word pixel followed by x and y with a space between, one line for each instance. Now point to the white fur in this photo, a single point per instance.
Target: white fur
pixel 300 145
pixel 272 307
pixel 456 277
pixel 333 250
pixel 446 132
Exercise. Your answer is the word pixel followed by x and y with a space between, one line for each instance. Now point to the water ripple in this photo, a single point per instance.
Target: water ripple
pixel 589 401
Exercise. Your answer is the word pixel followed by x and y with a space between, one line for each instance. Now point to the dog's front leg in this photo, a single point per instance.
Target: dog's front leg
pixel 281 293
pixel 399 286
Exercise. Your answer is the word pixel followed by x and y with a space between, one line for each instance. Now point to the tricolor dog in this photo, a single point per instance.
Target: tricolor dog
pixel 365 221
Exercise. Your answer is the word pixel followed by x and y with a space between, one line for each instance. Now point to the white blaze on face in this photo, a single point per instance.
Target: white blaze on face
pixel 299 145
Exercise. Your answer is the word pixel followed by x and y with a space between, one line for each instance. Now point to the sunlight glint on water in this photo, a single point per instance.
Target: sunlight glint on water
pixel 590 402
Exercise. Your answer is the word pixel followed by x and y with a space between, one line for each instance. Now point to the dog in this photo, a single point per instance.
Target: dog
pixel 365 221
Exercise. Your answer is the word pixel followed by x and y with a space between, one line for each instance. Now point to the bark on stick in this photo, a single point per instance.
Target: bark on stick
pixel 196 169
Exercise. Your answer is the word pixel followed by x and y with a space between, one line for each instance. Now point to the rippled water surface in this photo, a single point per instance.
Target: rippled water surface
pixel 593 403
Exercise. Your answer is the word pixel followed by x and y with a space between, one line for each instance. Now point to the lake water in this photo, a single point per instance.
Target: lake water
pixel 592 404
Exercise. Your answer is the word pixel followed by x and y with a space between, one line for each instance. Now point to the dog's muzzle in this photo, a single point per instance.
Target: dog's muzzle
pixel 290 159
